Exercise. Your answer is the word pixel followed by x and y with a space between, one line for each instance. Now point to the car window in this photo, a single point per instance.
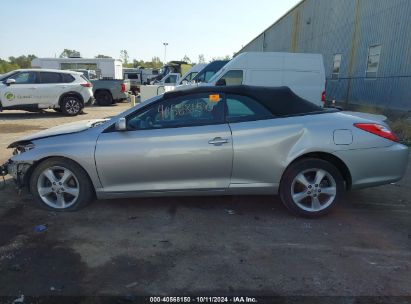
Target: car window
pixel 67 78
pixel 205 76
pixel 193 110
pixel 171 79
pixel 132 76
pixel 243 108
pixel 84 78
pixel 50 77
pixel 233 77
pixel 190 76
pixel 25 78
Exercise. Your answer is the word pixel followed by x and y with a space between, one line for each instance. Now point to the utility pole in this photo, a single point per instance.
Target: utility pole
pixel 165 51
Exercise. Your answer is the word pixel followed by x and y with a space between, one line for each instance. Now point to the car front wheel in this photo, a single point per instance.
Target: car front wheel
pixel 60 184
pixel 311 187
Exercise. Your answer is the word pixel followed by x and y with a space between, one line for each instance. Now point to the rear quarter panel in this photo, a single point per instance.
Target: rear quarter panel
pixel 264 149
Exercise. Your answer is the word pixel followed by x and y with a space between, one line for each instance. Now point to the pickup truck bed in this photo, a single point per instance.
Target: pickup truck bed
pixel 109 91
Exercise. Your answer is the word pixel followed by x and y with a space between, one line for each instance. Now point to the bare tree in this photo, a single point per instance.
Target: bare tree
pixel 124 56
pixel 186 59
pixel 201 58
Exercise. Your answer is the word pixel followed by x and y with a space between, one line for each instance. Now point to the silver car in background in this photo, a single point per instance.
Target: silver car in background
pixel 211 141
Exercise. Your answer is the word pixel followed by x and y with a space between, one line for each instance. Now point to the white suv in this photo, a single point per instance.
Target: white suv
pixel 35 89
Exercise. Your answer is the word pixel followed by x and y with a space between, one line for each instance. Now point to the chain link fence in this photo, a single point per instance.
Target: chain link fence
pixel 393 93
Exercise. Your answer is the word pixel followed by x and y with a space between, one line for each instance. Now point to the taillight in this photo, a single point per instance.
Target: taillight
pixel 378 130
pixel 87 85
pixel 123 88
pixel 323 96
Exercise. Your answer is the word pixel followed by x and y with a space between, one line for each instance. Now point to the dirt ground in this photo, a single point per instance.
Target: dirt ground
pixel 203 245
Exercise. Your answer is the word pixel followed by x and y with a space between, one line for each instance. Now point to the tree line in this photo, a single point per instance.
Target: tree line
pixel 24 61
pixel 14 63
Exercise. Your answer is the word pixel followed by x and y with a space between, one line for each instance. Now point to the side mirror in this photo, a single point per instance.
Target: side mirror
pixel 10 81
pixel 221 82
pixel 121 125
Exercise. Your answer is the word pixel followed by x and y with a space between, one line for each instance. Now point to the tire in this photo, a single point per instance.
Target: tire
pixel 305 193
pixel 104 98
pixel 71 106
pixel 60 184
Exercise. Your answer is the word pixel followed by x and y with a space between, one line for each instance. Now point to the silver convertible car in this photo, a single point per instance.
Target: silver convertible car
pixel 211 141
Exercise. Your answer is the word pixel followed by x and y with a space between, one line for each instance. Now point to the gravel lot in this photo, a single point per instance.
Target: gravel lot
pixel 203 245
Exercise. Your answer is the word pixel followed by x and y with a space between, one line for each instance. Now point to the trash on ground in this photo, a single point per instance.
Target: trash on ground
pixel 131 285
pixel 230 212
pixel 40 228
pixel 307 226
pixel 15 267
pixel 19 300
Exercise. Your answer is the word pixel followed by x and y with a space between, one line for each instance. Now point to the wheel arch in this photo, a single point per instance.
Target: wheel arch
pixel 102 90
pixel 33 167
pixel 71 93
pixel 334 160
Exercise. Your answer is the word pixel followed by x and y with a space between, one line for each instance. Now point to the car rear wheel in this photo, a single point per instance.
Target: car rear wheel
pixel 71 105
pixel 60 184
pixel 104 98
pixel 311 187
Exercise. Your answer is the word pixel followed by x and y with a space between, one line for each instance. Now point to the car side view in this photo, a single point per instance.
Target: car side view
pixel 229 140
pixel 36 89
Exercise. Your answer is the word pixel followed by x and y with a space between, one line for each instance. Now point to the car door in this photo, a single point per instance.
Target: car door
pixel 50 88
pixel 175 144
pixel 260 143
pixel 22 92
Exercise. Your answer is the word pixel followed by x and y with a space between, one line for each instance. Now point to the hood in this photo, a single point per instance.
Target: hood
pixel 72 127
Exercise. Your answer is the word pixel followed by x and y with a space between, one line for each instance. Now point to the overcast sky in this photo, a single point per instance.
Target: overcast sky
pixel 210 27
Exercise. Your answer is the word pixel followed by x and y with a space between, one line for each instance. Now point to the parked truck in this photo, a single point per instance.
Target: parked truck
pixel 173 67
pixel 107 91
pixel 138 76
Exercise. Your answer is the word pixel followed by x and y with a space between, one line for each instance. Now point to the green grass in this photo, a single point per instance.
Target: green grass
pixel 402 128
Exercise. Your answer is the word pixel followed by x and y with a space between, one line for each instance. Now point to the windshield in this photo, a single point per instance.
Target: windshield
pixel 216 76
pixel 7 75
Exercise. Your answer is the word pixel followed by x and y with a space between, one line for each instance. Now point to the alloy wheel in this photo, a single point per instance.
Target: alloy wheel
pixel 313 190
pixel 72 106
pixel 58 187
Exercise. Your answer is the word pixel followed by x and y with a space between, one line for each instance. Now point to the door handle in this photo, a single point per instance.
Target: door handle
pixel 218 141
pixel 32 88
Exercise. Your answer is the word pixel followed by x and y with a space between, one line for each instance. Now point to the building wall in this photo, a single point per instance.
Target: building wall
pixel 350 27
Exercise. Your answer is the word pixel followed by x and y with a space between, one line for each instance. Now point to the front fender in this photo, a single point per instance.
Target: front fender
pixel 78 148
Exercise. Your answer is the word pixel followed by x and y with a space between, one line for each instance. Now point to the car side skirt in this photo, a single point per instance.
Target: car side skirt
pixel 234 189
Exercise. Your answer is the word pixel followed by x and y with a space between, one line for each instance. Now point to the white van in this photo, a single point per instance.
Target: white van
pixel 302 73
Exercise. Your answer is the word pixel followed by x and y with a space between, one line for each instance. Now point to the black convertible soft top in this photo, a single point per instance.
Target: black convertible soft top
pixel 281 101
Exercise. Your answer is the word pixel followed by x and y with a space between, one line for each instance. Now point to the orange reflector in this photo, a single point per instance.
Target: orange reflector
pixel 214 98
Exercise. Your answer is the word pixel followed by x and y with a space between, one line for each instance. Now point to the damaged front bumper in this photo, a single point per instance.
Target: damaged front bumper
pixel 17 170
